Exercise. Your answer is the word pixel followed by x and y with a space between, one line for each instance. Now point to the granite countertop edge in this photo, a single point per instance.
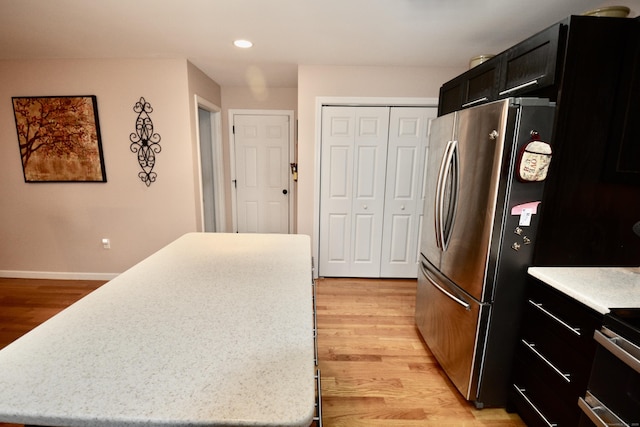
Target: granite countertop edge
pixel 600 288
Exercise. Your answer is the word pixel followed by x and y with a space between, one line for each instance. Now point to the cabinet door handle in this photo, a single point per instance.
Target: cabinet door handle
pixel 474 102
pixel 531 347
pixel 554 317
pixel 516 88
pixel 540 414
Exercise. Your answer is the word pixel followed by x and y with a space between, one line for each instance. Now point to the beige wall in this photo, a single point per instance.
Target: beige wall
pixel 201 86
pixel 352 82
pixel 55 229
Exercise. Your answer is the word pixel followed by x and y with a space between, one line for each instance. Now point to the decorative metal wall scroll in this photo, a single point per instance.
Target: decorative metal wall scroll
pixel 145 142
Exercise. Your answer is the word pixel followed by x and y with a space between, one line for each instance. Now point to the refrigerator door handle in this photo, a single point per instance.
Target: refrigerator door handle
pixel 459 301
pixel 439 202
pixel 450 169
pixel 442 241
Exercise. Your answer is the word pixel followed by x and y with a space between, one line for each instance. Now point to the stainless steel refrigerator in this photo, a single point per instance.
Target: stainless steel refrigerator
pixel 479 228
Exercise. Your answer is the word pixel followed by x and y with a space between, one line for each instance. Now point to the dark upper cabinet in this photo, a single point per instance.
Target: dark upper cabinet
pixel 589 66
pixel 531 65
pixel 474 87
pixel 481 83
pixel 451 95
pixel 623 152
pixel 591 205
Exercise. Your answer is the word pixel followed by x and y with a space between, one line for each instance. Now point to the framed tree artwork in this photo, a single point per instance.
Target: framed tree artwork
pixel 59 138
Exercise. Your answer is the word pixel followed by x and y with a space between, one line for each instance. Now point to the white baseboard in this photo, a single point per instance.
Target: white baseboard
pixel 56 275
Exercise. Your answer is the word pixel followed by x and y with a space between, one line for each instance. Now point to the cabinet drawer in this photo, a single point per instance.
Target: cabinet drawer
pixel 572 322
pixel 534 416
pixel 531 64
pixel 567 380
pixel 537 403
pixel 563 347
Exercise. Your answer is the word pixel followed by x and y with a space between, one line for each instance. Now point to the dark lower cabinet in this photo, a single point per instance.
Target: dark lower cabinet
pixel 553 357
pixel 585 422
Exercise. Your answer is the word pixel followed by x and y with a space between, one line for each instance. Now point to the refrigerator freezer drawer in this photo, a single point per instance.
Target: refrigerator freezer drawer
pixel 448 321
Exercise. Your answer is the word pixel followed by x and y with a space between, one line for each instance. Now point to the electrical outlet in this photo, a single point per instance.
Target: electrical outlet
pixel 106 243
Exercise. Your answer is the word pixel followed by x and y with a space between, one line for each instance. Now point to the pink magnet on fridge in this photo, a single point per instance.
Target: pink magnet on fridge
pixel 531 207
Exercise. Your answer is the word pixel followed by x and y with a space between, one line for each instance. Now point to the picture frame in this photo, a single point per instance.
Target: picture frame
pixel 59 138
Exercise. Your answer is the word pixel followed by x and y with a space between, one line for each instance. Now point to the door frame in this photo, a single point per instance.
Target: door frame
pixel 218 163
pixel 232 161
pixel 322 101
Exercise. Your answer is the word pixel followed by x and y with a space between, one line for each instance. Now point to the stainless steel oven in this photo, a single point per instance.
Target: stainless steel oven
pixel 613 394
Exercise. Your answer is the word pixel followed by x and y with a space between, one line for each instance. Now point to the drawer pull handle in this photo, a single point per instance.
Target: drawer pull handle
pixel 524 396
pixel 516 88
pixel 315 346
pixel 474 102
pixel 315 308
pixel 531 347
pixel 318 405
pixel 624 350
pixel 554 317
pixel 598 413
pixel 457 300
pixel 315 323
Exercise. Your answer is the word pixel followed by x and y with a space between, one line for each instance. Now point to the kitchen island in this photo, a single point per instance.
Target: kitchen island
pixel 212 330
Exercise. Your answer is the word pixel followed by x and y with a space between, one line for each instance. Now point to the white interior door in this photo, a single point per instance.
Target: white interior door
pixel 372 180
pixel 404 198
pixel 261 146
pixel 354 151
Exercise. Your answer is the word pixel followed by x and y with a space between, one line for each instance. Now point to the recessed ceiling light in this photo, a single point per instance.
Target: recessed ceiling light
pixel 245 44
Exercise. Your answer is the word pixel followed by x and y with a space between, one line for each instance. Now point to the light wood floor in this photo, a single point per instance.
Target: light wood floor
pixel 26 303
pixel 376 370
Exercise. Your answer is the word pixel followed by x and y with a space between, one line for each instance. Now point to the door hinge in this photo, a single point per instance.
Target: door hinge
pixel 233 129
pixel 235 183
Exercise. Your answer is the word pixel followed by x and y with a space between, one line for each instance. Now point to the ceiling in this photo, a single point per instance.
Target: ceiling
pixel 285 33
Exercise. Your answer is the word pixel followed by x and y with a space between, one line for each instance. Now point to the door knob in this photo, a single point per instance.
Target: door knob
pixel 284 191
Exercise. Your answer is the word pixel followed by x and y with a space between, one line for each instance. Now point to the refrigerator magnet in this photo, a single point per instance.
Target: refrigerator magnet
pixel 533 160
pixel 525 211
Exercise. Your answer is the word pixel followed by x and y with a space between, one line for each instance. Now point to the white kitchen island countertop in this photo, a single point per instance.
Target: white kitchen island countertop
pixel 212 330
pixel 601 288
